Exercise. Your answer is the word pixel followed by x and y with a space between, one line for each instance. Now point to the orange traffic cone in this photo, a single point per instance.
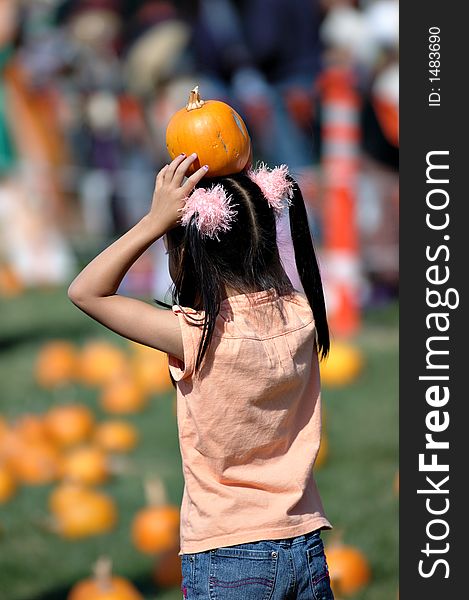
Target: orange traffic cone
pixel 340 163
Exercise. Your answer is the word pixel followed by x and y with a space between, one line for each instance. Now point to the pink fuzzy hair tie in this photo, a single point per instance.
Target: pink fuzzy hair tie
pixel 274 185
pixel 212 208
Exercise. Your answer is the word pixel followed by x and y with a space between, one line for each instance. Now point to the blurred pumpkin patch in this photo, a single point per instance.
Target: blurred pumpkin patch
pixel 123 395
pixel 87 464
pixel 82 513
pixel 100 361
pixel 69 424
pixel 56 364
pixel 7 484
pixel 349 569
pixel 343 365
pixel 104 585
pixel 150 367
pixel 155 528
pixel 116 436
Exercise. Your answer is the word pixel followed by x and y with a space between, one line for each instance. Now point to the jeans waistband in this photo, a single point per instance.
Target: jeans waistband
pixel 299 539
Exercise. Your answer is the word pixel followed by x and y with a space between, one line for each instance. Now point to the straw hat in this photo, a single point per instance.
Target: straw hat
pixel 156 40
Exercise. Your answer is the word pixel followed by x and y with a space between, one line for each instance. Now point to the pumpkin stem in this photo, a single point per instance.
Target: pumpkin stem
pixel 194 99
pixel 155 492
pixel 102 572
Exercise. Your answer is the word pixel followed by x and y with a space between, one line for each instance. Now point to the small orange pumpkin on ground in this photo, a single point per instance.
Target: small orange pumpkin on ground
pixel 348 568
pixel 104 585
pixel 10 442
pixel 214 131
pixel 100 361
pixel 116 436
pixel 35 462
pixel 7 484
pixel 69 424
pixel 30 427
pixel 123 395
pixel 155 528
pixel 86 464
pixel 84 514
pixel 56 364
pixel 150 368
pixel 63 494
pixel 343 365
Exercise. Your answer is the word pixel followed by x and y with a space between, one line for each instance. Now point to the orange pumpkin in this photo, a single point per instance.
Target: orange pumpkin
pixel 348 569
pixel 167 569
pixel 100 361
pixel 56 364
pixel 7 484
pixel 116 436
pixel 213 130
pixel 69 424
pixel 156 527
pixel 86 464
pixel 64 494
pixel 104 585
pixel 123 395
pixel 343 365
pixel 150 368
pixel 87 513
pixel 34 462
pixel 30 427
pixel 10 442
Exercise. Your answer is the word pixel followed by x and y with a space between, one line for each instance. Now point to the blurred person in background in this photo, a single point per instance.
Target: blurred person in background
pixel 264 55
pixel 33 202
pixel 110 73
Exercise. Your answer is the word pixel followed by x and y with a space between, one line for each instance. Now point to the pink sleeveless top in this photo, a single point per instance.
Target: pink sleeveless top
pixel 249 423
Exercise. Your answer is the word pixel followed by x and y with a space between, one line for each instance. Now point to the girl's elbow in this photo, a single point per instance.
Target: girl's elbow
pixel 76 295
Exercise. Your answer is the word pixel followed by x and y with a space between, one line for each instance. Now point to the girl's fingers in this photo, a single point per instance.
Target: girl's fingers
pixel 182 168
pixel 160 178
pixel 161 174
pixel 194 179
pixel 173 166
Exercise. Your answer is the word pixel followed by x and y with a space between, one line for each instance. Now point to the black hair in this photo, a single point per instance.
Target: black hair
pixel 246 257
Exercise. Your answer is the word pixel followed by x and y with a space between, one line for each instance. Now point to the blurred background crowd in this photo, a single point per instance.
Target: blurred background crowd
pixel 87 88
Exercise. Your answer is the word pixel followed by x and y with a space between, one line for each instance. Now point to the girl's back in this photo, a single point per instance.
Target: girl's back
pixel 249 422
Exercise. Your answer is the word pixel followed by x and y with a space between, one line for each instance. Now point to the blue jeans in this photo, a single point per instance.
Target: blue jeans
pixel 288 569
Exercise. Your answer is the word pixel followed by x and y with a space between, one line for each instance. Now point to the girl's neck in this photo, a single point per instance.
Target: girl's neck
pixel 228 291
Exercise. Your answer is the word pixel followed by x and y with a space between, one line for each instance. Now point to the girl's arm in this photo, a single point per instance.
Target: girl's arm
pixel 94 289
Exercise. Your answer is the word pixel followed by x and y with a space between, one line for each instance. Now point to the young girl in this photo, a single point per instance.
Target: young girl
pixel 243 349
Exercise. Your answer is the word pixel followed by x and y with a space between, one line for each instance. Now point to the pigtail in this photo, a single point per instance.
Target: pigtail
pixel 308 268
pixel 208 286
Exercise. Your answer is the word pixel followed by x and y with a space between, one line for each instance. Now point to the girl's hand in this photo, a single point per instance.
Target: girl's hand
pixel 170 192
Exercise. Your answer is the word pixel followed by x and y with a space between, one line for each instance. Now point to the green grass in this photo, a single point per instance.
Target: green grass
pixel 356 483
